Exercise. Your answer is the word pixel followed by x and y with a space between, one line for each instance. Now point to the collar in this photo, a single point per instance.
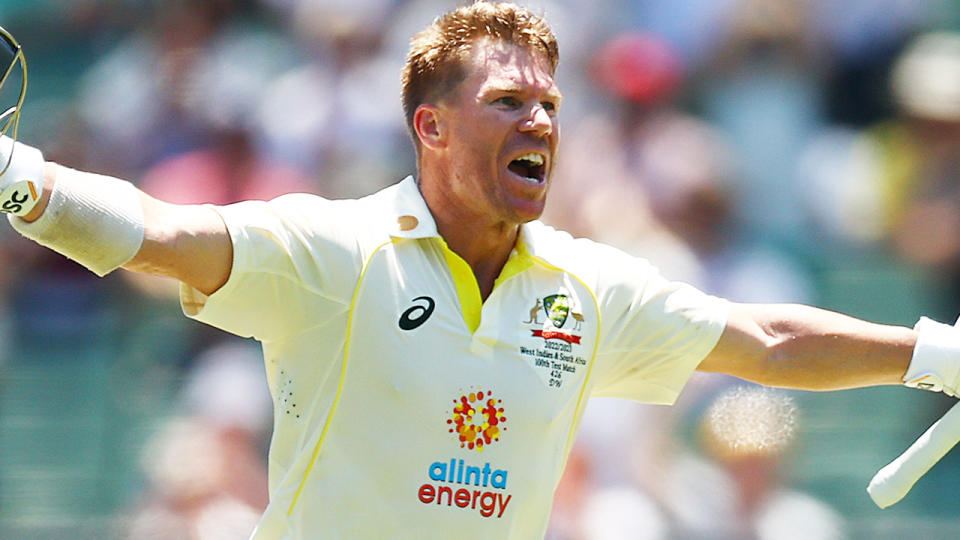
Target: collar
pixel 529 241
pixel 411 218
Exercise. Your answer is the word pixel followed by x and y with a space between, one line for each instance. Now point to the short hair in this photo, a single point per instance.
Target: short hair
pixel 435 61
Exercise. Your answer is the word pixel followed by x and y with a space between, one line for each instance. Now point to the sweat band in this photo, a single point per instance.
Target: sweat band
pixel 92 219
pixel 935 364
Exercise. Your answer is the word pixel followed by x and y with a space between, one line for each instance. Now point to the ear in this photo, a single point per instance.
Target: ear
pixel 429 126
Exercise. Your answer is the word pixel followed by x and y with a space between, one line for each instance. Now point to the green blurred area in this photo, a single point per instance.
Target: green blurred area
pixel 846 437
pixel 77 406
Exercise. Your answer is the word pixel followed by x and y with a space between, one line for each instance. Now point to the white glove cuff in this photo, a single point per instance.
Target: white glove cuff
pixel 935 365
pixel 92 219
pixel 22 183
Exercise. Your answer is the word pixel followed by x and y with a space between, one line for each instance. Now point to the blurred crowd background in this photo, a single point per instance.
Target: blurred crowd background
pixel 764 150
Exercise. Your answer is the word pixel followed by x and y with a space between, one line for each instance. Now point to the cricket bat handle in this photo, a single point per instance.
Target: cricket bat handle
pixel 894 481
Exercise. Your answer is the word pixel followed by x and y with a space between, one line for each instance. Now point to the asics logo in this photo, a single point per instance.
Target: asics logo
pixel 418 314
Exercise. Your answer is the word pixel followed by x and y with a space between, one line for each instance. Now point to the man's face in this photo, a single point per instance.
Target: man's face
pixel 502 132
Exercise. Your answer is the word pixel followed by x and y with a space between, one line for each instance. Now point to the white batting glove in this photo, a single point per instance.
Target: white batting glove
pixel 22 183
pixel 935 365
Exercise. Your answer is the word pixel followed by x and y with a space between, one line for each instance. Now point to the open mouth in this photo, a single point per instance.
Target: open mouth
pixel 531 166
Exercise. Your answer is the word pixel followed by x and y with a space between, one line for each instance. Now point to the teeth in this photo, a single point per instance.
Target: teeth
pixel 533 158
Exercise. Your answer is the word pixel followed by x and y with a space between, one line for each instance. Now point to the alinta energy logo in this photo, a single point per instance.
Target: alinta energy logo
pixel 477 420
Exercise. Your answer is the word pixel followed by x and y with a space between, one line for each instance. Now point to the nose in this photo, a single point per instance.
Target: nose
pixel 539 122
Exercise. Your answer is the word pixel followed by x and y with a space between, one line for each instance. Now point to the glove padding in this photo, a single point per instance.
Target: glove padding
pixel 22 183
pixel 935 365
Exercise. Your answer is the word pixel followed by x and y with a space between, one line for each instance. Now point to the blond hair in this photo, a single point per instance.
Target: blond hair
pixel 435 61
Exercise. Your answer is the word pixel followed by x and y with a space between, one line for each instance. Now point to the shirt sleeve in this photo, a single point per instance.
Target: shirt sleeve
pixel 655 334
pixel 294 267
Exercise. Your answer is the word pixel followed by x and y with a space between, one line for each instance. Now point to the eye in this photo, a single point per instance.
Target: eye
pixel 509 102
pixel 549 106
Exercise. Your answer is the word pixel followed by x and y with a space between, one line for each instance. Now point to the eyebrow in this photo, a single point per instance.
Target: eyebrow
pixel 553 94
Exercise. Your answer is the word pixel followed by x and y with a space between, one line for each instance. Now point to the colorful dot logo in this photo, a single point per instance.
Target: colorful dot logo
pixel 477 420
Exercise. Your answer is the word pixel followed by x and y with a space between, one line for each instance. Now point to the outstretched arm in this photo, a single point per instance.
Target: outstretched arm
pixel 186 242
pixel 806 348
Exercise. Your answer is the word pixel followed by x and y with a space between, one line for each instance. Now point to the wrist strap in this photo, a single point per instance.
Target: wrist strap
pixel 92 219
pixel 935 364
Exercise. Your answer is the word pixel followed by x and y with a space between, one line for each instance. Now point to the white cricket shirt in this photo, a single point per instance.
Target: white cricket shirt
pixel 405 407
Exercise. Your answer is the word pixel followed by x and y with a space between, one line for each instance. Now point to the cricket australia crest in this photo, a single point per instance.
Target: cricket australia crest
pixel 556 356
pixel 557 308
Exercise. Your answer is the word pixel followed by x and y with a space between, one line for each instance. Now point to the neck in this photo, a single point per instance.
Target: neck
pixel 486 249
pixel 482 244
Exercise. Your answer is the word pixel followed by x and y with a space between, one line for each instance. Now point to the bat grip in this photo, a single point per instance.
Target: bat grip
pixel 894 481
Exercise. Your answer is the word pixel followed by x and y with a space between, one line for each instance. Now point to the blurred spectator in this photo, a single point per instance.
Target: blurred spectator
pixel 135 98
pixel 923 195
pixel 615 473
pixel 227 171
pixel 599 189
pixel 689 171
pixel 748 431
pixel 621 513
pixel 197 67
pixel 660 183
pixel 763 89
pixel 691 27
pixel 863 36
pixel 895 182
pixel 728 485
pixel 205 469
pixel 351 134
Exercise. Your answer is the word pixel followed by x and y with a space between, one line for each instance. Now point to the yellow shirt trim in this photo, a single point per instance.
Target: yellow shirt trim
pixel 343 376
pixel 468 291
pixel 582 398
pixel 518 262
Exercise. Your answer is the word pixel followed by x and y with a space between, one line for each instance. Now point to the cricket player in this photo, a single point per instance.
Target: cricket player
pixel 430 348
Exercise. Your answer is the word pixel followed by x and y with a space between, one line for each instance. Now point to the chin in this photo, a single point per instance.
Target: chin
pixel 528 212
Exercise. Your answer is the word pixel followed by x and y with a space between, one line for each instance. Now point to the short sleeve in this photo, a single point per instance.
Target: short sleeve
pixel 655 334
pixel 295 264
